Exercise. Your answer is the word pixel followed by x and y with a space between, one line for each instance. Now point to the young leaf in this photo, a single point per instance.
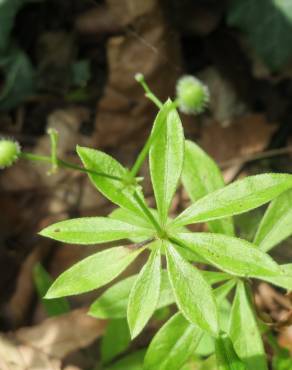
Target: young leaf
pixel 113 302
pixel 43 281
pixel 115 340
pixel 173 344
pixel 166 161
pixel 276 224
pixel 93 272
pixel 201 176
pixel 244 331
pixel 112 189
pixel 93 230
pixel 227 358
pixel 232 255
pixel 238 197
pixel 192 293
pixel 144 293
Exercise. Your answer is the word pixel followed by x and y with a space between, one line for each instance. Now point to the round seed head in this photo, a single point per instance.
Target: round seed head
pixel 192 95
pixel 9 152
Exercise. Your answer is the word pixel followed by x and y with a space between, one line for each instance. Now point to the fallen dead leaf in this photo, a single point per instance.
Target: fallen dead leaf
pixel 43 347
pixel 247 135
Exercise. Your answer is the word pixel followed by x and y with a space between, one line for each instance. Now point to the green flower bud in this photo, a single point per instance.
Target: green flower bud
pixel 9 152
pixel 192 95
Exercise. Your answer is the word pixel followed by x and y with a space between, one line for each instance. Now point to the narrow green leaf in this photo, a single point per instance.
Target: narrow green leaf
pixel 178 339
pixel 206 345
pixel 144 294
pixel 227 358
pixel 232 255
pixel 283 280
pixel 113 302
pixel 276 224
pixel 93 230
pixel 173 344
pixel 115 340
pixel 114 190
pixel 166 161
pixel 93 272
pixel 213 277
pixel 125 215
pixel 201 176
pixel 192 293
pixel 238 197
pixel 43 281
pixel 244 331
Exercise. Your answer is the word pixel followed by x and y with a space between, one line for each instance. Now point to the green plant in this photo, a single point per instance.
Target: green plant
pixel 234 261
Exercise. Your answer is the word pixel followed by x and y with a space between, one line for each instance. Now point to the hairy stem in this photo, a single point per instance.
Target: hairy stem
pixel 64 164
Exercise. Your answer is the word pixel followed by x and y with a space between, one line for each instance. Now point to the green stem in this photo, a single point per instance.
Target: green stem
pixel 148 93
pixel 54 136
pixel 141 157
pixel 64 164
pixel 147 212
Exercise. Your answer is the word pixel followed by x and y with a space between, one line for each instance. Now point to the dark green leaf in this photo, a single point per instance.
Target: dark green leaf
pixel 115 340
pixel 276 224
pixel 232 255
pixel 202 176
pixel 166 161
pixel 93 230
pixel 19 77
pixel 43 281
pixel 238 197
pixel 8 11
pixel 192 293
pixel 227 358
pixel 244 331
pixel 267 24
pixel 144 294
pixel 93 272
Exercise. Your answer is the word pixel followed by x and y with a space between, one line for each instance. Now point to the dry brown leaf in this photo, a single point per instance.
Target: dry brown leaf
pixel 248 135
pixel 43 347
pixel 148 47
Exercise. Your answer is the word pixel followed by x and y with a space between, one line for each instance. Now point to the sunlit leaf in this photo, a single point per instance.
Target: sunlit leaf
pixel 93 272
pixel 113 302
pixel 192 293
pixel 112 189
pixel 238 197
pixel 174 343
pixel 93 230
pixel 144 294
pixel 244 331
pixel 276 224
pixel 166 160
pixel 232 255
